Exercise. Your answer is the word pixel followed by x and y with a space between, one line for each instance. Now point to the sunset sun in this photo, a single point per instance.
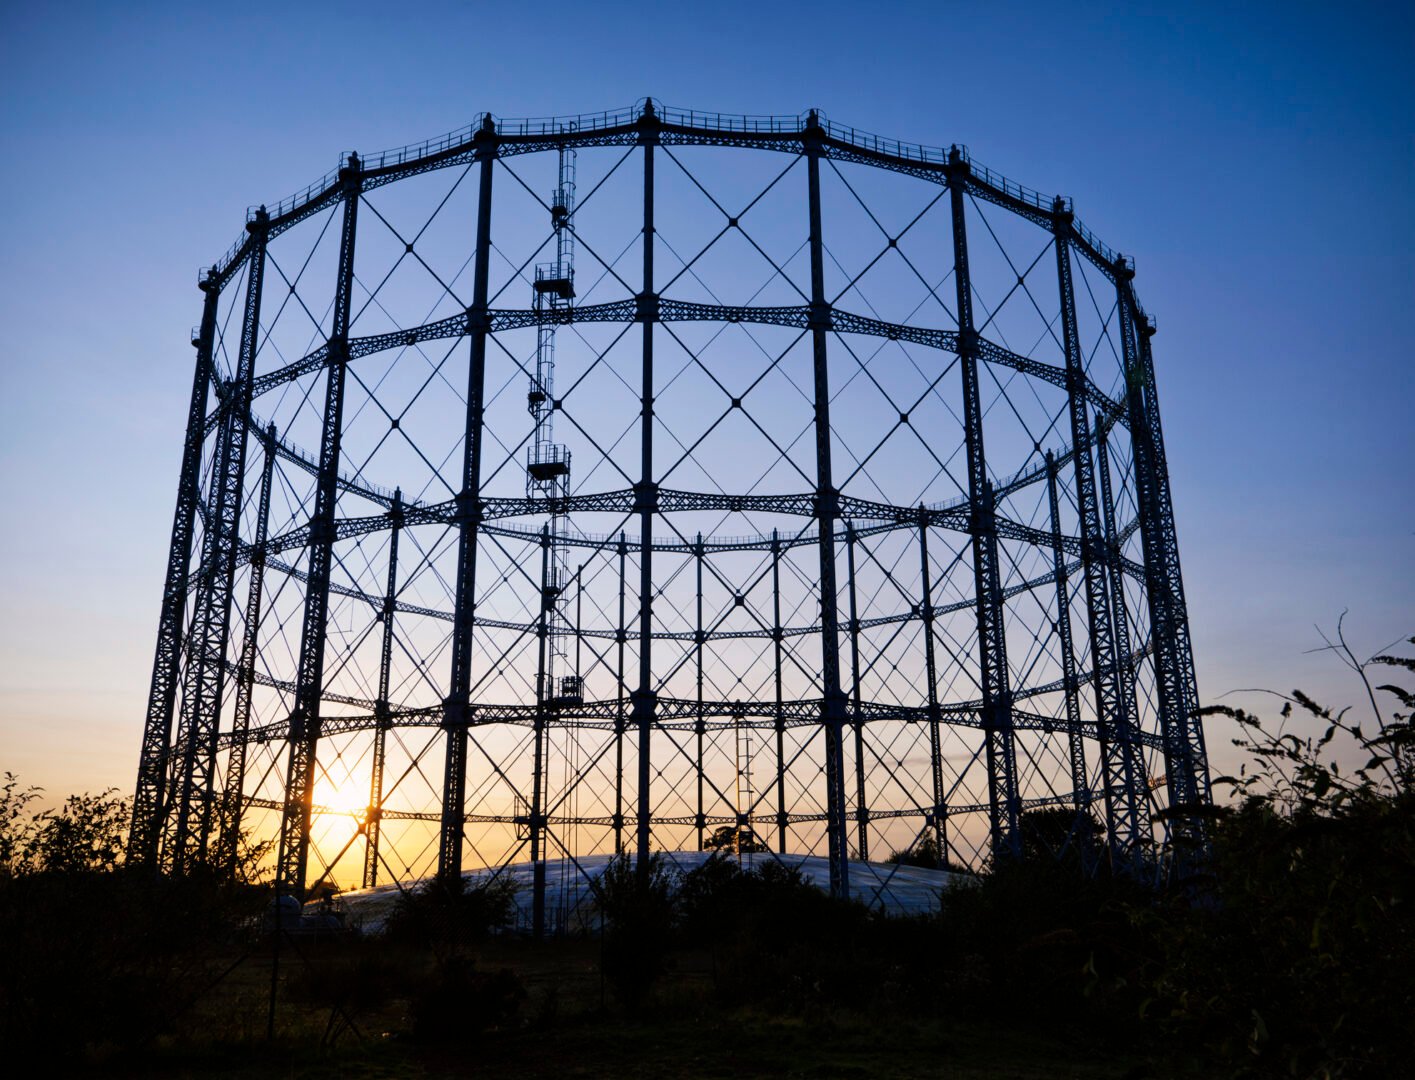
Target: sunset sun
pixel 349 796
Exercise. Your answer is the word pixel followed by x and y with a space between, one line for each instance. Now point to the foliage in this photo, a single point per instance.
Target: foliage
pixel 97 955
pixel 721 898
pixel 1061 834
pixel 87 832
pixel 737 839
pixel 1302 962
pixel 440 915
pixel 1293 957
pixel 95 960
pixel 17 826
pixel 1037 931
pixel 924 854
pixel 775 939
pixel 350 973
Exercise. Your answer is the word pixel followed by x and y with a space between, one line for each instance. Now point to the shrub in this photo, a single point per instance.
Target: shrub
pixel 775 938
pixel 438 914
pixel 107 959
pixel 1302 963
pixel 924 854
pixel 639 914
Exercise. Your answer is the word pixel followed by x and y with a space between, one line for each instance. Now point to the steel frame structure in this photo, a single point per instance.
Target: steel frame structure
pixel 1039 655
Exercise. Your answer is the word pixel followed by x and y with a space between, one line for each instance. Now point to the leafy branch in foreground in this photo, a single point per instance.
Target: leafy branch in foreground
pixel 1297 775
pixel 1301 965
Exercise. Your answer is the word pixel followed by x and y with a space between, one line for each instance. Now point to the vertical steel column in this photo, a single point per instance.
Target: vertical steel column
pixel 833 710
pixel 1004 804
pixel 1197 763
pixel 621 637
pixel 700 728
pixel 862 810
pixel 151 792
pixel 229 838
pixel 1122 813
pixel 1075 745
pixel 456 713
pixel 1186 761
pixel 548 596
pixel 926 611
pixel 373 821
pixel 211 620
pixel 1124 668
pixel 777 638
pixel 645 699
pixel 309 687
pixel 1197 759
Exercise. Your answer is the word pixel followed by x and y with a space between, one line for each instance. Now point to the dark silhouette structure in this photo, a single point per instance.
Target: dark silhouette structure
pixel 859 531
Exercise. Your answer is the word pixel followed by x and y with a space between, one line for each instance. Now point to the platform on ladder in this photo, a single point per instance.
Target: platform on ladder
pixel 555 279
pixel 546 461
pixel 571 692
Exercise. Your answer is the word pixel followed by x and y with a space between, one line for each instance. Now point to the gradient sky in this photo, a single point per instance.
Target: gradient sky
pixel 1257 160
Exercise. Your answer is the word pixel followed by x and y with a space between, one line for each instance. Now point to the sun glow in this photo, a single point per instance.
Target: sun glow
pixel 348 797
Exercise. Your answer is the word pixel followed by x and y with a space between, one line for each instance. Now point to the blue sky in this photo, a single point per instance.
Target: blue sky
pixel 1257 160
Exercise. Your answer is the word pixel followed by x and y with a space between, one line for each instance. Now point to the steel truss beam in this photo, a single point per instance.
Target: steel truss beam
pixel 954 712
pixel 1123 768
pixel 145 834
pixel 644 710
pixel 229 841
pixel 623 502
pixel 211 618
pixel 561 821
pixel 669 310
pixel 681 714
pixel 983 527
pixel 1186 759
pixel 1076 751
pixel 1120 621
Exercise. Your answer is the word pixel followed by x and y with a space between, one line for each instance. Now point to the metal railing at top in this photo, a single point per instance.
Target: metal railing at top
pixel 401 155
pixel 865 140
pixel 300 198
pixel 258 427
pixel 692 118
pixel 1104 250
pixel 557 125
pixel 1045 203
pixel 224 263
pixel 745 124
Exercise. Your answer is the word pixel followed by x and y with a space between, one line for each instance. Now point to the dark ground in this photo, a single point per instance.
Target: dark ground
pixel 569 1025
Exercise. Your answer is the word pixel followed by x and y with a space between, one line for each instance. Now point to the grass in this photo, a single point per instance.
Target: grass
pixel 569 1026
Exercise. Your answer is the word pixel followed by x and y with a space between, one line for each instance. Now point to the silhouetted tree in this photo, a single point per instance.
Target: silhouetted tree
pixel 736 839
